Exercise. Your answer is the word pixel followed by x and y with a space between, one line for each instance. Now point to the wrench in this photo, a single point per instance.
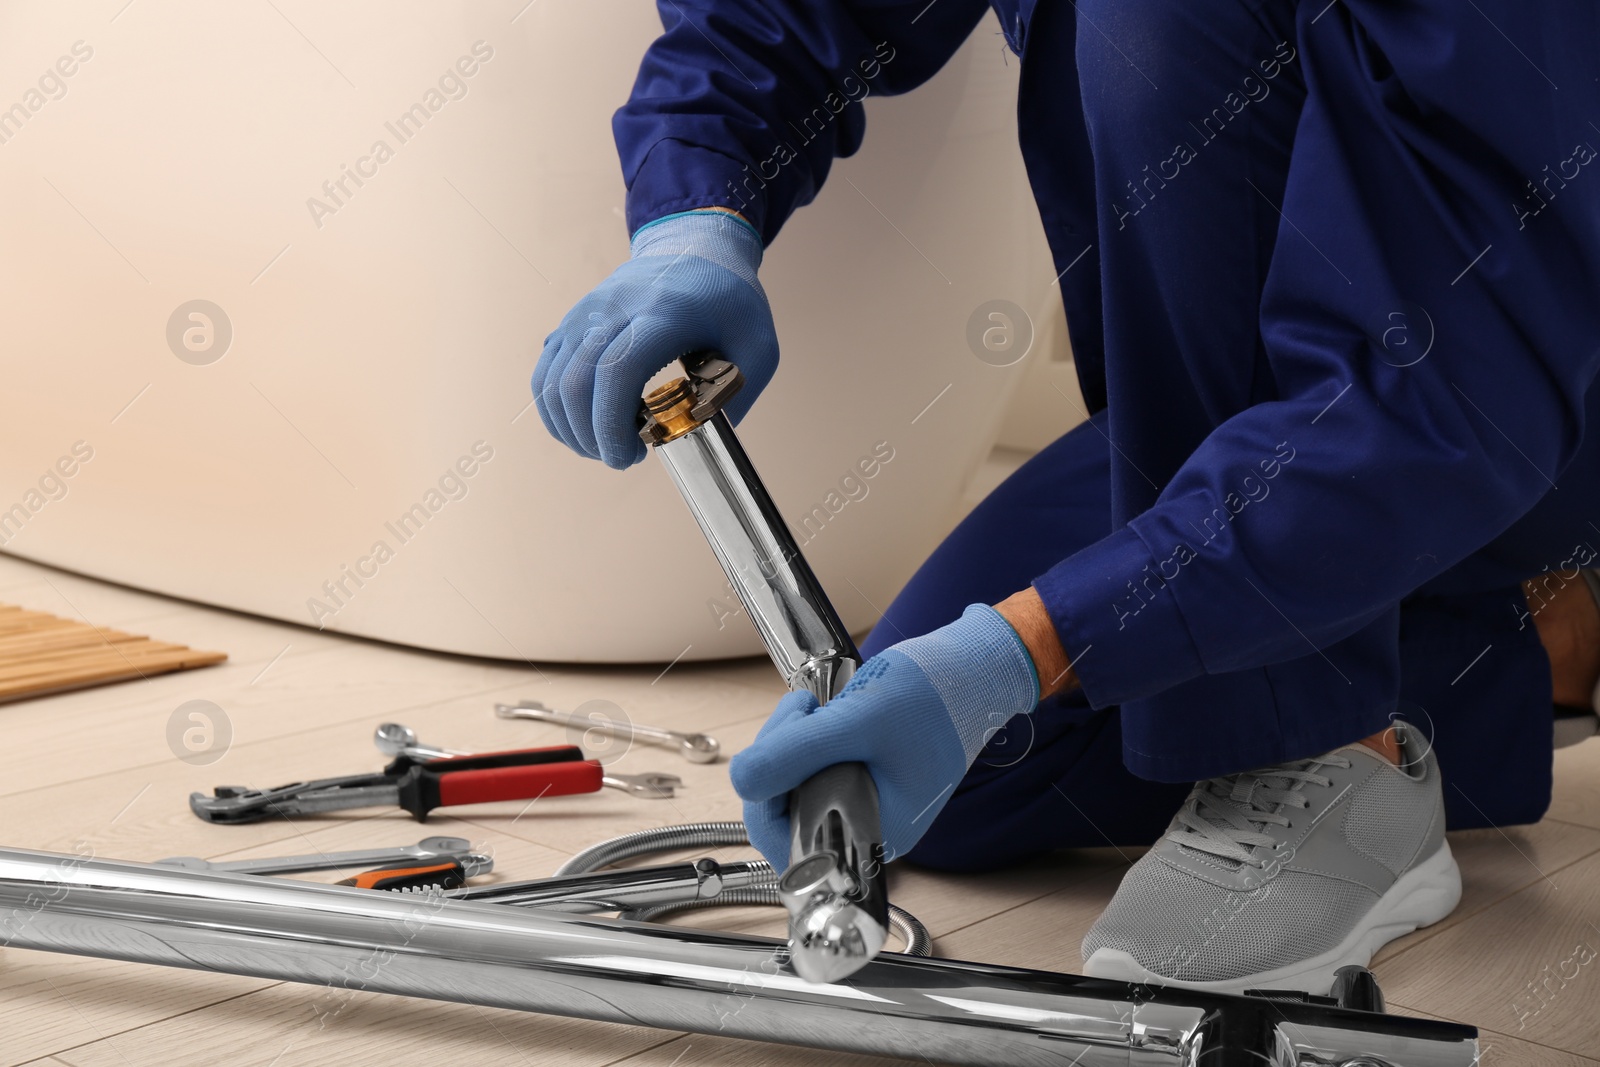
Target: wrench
pixel 650 786
pixel 696 748
pixel 395 739
pixel 429 848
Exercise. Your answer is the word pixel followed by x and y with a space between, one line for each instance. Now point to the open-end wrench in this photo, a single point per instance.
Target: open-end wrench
pixel 696 748
pixel 431 849
pixel 651 786
pixel 397 740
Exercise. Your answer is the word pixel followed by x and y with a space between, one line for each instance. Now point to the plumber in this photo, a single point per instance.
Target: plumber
pixel 1289 684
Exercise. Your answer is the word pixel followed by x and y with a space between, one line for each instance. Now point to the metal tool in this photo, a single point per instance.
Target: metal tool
pixel 696 748
pixel 427 945
pixel 835 887
pixel 651 785
pixel 412 877
pixel 429 849
pixel 636 887
pixel 393 739
pixel 524 774
pixel 612 851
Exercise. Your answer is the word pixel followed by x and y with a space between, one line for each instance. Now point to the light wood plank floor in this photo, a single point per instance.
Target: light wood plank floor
pixel 100 772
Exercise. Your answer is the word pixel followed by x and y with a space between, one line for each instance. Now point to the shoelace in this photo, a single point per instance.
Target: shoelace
pixel 1224 816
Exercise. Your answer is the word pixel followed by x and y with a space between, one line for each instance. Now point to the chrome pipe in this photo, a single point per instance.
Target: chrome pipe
pixel 798 625
pixel 834 888
pixel 425 945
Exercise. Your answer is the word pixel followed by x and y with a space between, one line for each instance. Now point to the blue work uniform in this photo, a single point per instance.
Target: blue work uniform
pixel 1335 305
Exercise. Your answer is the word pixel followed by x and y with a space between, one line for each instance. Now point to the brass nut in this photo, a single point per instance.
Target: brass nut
pixel 670 409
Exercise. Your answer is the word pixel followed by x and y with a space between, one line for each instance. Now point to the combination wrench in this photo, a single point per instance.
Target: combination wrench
pixel 432 849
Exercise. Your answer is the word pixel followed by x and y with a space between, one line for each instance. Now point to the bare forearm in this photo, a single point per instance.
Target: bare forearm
pixel 1027 615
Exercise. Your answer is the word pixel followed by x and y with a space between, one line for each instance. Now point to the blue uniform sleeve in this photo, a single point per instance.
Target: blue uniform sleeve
pixel 1431 320
pixel 745 103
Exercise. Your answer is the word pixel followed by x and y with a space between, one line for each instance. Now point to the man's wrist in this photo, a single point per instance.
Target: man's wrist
pixel 1026 613
pixel 728 211
pixel 713 209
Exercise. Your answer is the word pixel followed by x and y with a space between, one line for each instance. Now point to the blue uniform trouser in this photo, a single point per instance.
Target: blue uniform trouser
pixel 1475 678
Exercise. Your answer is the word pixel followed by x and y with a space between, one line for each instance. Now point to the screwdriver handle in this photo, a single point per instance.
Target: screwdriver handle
pixel 447 875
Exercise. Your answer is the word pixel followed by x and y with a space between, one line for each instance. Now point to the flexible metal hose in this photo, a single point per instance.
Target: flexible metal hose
pixel 661 839
pixel 714 835
pixel 908 926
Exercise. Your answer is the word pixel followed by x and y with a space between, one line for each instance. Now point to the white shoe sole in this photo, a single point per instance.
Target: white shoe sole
pixel 1420 897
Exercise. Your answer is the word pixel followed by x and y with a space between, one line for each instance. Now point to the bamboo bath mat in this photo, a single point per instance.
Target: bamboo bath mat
pixel 42 653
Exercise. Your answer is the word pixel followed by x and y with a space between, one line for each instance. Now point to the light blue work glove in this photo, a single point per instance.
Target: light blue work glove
pixel 690 285
pixel 917 714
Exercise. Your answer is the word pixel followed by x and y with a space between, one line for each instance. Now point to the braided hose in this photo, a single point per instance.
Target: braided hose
pixel 714 835
pixel 661 839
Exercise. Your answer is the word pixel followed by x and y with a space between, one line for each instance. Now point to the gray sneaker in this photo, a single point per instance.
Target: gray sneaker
pixel 1274 879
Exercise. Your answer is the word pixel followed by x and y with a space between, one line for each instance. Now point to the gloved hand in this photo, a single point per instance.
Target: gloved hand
pixel 691 284
pixel 917 714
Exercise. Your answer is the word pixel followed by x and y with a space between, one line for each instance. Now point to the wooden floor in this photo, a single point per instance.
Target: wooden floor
pixel 97 769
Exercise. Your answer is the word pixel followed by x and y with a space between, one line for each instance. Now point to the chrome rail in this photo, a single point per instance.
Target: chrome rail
pixel 426 945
